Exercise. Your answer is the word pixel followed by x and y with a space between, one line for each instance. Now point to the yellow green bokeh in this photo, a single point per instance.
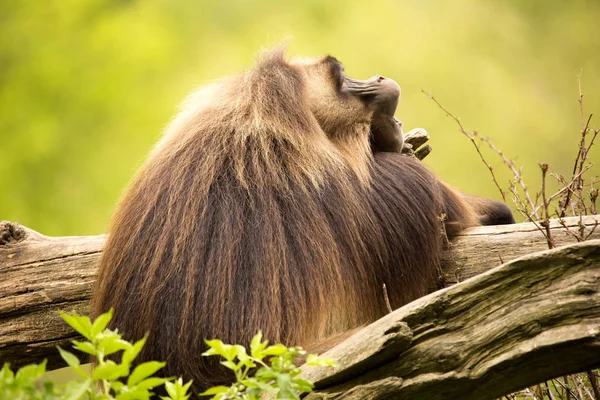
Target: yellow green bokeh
pixel 87 86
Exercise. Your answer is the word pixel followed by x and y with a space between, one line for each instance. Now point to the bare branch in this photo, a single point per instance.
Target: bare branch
pixel 546 222
pixel 471 136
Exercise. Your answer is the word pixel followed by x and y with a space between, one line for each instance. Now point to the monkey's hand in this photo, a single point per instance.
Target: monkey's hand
pixel 413 143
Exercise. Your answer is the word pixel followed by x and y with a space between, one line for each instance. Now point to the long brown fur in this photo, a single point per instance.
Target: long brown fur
pixel 263 208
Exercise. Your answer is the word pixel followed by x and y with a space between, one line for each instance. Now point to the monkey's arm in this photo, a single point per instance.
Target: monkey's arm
pixel 382 96
pixel 386 133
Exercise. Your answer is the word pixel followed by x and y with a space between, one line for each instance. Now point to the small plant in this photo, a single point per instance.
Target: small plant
pixel 25 383
pixel 110 380
pixel 278 374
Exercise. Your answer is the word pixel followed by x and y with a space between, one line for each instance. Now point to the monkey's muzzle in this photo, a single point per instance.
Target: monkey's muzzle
pixel 382 92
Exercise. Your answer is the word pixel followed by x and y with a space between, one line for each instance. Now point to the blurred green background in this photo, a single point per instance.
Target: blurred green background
pixel 87 86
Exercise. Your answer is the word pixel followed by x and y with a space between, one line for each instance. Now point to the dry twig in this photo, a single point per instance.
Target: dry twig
pixel 471 136
pixel 546 222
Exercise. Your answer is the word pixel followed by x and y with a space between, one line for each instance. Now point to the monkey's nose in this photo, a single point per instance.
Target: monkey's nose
pixel 376 79
pixel 388 85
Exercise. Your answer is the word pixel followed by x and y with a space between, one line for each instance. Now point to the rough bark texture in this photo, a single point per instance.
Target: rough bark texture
pixel 38 276
pixel 529 320
pixel 439 336
pixel 479 249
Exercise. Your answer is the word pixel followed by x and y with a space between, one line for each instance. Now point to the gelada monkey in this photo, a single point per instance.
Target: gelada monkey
pixel 265 206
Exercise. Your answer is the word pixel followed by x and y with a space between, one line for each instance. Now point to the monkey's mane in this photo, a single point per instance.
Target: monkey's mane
pixel 244 191
pixel 246 217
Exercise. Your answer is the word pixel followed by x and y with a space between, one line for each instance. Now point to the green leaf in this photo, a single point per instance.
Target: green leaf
pixel 303 385
pixel 143 371
pixel 276 363
pixel 255 383
pixel 256 346
pixel 70 358
pixel 30 372
pixel 75 390
pixel 49 387
pixel 241 353
pixel 5 373
pixel 171 390
pixel 177 390
pixel 85 347
pixel 151 383
pixel 112 344
pixel 315 361
pixel 284 383
pixel 275 350
pixel 101 322
pixel 214 390
pixel 265 373
pixel 81 324
pixel 131 353
pixel 231 365
pixel 185 387
pixel 109 371
pixel 217 347
pixel 253 394
pixel 137 394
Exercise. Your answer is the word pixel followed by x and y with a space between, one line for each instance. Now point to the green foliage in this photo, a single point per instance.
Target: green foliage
pixel 276 371
pixel 110 380
pixel 25 383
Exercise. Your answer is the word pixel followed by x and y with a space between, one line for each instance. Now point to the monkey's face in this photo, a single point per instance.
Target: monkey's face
pixel 342 104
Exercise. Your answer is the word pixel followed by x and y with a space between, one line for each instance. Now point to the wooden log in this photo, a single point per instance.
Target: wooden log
pixel 521 323
pixel 40 274
pixel 479 249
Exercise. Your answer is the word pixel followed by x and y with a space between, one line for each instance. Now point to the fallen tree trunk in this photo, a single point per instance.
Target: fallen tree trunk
pixel 526 321
pixel 39 274
pixel 479 249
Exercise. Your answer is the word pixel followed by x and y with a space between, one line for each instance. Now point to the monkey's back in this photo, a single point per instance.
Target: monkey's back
pixel 188 260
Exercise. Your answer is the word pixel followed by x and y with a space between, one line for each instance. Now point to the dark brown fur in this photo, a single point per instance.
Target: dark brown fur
pixel 263 208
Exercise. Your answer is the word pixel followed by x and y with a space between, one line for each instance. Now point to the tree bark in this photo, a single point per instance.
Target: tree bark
pixel 40 274
pixel 529 320
pixel 480 249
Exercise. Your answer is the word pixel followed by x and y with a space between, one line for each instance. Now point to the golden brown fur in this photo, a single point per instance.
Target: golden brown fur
pixel 264 208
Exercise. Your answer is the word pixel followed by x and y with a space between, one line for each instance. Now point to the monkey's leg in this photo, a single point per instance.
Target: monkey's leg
pixel 490 212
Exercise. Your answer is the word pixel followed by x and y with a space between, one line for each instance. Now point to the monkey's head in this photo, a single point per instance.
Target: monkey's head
pixel 308 104
pixel 340 103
